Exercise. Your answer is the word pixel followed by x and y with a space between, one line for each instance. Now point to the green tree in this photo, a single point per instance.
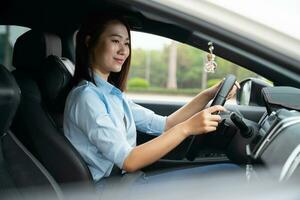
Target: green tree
pixel 137 63
pixel 190 63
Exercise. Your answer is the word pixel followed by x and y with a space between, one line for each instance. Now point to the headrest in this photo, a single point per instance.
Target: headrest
pixel 55 82
pixel 33 47
pixel 10 95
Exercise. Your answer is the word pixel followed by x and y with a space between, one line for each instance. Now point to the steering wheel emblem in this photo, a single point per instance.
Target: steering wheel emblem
pixel 210 65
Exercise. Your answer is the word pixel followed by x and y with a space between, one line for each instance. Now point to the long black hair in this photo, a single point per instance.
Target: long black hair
pixel 93 26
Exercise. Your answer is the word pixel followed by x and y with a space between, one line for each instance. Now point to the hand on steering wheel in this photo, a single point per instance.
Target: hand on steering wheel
pixel 219 99
pixel 224 89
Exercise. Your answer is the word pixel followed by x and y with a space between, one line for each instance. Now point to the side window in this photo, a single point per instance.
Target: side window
pixel 8 37
pixel 170 70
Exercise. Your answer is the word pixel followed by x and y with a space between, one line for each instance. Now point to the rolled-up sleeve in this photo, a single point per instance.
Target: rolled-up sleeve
pixel 146 120
pixel 92 118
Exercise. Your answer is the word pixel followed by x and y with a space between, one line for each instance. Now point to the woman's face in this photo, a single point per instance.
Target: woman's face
pixel 111 50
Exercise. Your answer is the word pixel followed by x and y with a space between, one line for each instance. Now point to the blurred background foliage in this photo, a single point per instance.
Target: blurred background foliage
pixel 149 70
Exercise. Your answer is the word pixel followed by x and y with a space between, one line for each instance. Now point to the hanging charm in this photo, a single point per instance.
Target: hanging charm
pixel 210 65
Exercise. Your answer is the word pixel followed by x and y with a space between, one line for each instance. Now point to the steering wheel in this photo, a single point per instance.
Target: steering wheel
pixel 219 99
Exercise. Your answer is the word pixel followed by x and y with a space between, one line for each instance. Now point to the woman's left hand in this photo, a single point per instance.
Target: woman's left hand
pixel 214 89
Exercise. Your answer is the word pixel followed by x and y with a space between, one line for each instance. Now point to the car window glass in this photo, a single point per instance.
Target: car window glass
pixel 163 69
pixel 8 37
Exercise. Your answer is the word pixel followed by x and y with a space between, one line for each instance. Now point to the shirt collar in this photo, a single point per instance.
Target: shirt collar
pixel 106 86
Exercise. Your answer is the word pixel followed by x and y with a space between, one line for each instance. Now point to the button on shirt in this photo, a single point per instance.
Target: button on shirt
pixel 101 124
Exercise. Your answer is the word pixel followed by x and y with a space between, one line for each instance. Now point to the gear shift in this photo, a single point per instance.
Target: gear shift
pixel 245 131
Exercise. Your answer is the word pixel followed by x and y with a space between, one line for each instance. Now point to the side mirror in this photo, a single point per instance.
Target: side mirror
pixel 250 92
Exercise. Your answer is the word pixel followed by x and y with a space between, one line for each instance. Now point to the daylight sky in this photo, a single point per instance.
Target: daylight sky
pixel 147 41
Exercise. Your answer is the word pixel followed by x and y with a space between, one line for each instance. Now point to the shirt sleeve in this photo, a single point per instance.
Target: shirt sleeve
pixel 92 118
pixel 146 120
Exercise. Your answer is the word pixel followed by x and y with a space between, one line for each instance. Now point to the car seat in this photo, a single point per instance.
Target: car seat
pixel 20 170
pixel 44 79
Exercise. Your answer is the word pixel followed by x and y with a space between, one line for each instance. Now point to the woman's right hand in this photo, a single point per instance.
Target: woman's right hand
pixel 203 121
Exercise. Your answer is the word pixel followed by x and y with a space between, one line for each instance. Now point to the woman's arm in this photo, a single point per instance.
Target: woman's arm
pixel 189 109
pixel 195 105
pixel 149 152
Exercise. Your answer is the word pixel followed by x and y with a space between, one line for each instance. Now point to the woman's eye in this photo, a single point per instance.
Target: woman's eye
pixel 115 41
pixel 127 43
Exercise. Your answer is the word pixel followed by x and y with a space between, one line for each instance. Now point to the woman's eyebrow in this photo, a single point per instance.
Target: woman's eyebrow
pixel 118 35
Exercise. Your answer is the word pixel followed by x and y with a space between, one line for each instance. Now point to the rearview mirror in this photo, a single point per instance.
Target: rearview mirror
pixel 250 92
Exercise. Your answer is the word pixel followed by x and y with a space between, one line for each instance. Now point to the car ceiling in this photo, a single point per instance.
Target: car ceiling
pixel 62 16
pixel 52 14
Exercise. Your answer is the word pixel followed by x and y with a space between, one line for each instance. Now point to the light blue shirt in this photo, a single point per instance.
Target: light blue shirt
pixel 101 123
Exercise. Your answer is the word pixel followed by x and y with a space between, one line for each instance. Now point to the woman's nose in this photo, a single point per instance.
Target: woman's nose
pixel 123 49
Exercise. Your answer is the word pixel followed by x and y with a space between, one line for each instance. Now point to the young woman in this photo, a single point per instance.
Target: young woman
pixel 101 122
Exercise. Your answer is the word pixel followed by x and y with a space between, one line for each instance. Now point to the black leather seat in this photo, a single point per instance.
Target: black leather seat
pixel 19 169
pixel 44 83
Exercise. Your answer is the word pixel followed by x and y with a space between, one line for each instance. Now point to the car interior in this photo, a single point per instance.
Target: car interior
pixel 261 131
pixel 20 165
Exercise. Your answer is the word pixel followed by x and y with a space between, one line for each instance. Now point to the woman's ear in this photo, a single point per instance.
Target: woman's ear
pixel 87 40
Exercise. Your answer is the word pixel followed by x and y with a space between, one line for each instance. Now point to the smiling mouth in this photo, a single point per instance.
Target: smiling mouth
pixel 120 61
